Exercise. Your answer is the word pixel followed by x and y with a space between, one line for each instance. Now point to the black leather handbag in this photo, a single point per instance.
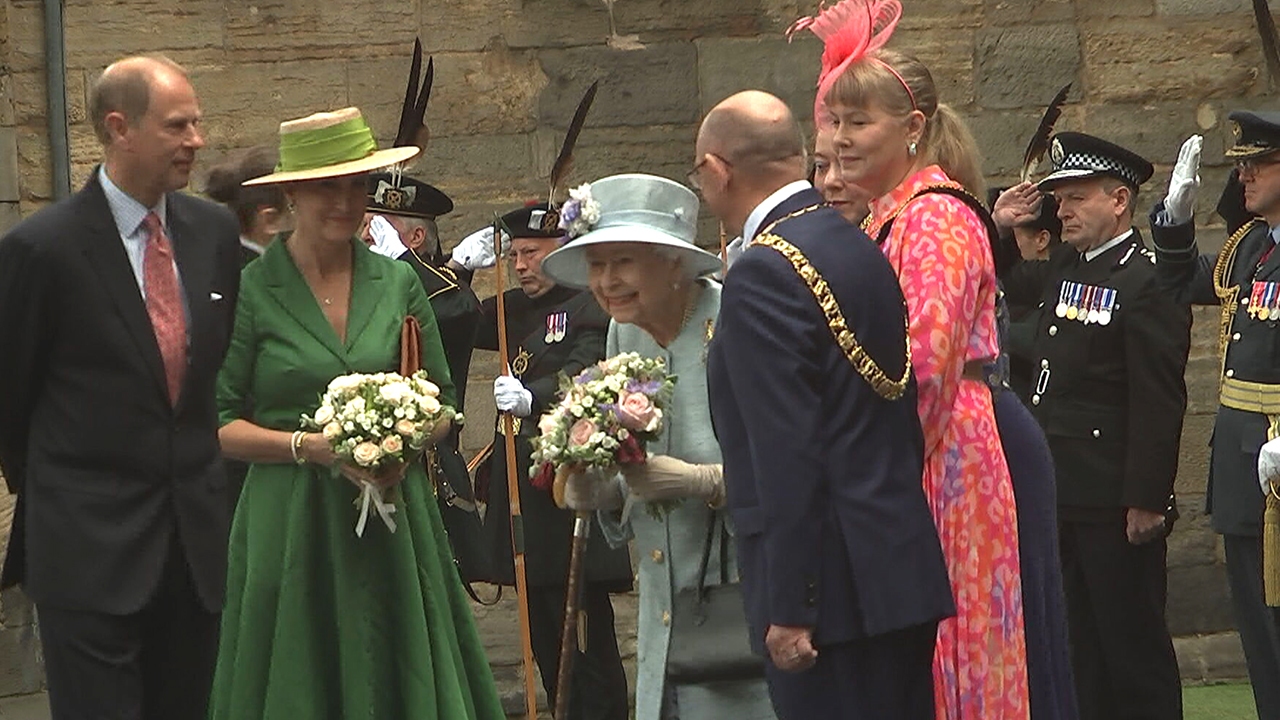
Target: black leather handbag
pixel 709 624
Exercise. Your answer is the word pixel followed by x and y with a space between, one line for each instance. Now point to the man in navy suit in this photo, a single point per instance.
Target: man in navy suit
pixel 814 405
pixel 116 306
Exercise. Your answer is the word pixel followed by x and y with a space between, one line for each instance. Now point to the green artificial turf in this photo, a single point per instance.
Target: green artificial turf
pixel 1218 702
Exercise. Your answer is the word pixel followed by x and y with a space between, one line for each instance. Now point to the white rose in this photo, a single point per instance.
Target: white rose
pixel 366 454
pixel 392 444
pixel 430 405
pixel 332 431
pixel 354 406
pixel 393 392
pixel 324 415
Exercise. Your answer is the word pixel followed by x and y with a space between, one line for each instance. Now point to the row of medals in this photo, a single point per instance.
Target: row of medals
pixel 1264 301
pixel 557 325
pixel 1088 304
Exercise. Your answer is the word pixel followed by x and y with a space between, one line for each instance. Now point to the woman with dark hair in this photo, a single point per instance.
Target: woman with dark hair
pixel 920 164
pixel 261 210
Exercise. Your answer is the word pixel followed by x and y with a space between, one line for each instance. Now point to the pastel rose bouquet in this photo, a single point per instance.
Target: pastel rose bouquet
pixel 607 415
pixel 377 421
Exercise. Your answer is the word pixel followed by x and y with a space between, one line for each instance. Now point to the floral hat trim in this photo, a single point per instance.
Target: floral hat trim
pixel 580 213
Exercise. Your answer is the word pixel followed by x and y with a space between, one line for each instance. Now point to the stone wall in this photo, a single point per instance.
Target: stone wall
pixel 1146 73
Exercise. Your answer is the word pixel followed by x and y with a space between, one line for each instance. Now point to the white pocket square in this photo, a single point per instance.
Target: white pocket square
pixel 215 297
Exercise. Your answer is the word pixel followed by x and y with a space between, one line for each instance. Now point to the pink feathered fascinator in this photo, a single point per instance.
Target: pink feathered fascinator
pixel 850 30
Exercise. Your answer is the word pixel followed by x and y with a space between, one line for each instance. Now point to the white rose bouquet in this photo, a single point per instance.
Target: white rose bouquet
pixel 606 416
pixel 375 423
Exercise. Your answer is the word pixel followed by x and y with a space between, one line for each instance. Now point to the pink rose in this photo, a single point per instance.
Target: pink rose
pixel 581 432
pixel 636 412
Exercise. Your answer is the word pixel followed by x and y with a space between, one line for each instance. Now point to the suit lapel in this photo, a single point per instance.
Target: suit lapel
pixel 285 285
pixel 105 250
pixel 366 292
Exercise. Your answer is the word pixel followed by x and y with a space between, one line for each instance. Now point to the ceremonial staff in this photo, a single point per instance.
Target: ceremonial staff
pixel 582 519
pixel 513 488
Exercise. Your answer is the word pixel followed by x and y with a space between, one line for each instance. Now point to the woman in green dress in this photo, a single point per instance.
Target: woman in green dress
pixel 320 623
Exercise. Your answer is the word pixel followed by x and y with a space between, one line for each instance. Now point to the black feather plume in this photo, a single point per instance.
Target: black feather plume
pixel 564 161
pixel 1270 41
pixel 1039 144
pixel 412 129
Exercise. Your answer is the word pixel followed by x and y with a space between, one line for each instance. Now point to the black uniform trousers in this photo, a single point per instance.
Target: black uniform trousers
pixel 885 677
pixel 156 664
pixel 1259 625
pixel 599 683
pixel 1121 652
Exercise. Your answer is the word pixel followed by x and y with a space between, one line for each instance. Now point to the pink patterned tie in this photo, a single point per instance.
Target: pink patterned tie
pixel 164 304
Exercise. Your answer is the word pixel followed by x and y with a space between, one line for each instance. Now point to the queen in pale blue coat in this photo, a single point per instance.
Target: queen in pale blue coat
pixel 640 262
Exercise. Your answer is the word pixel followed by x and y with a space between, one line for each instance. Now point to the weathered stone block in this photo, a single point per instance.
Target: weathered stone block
pixel 1193 463
pixel 10 215
pixel 485 168
pixel 1192 542
pixel 667 20
pixel 1005 57
pixel 187 31
pixel 551 23
pixel 1150 62
pixel 788 70
pixel 654 86
pixel 1019 12
pixel 286 30
pixel 25 40
pixel 9 181
pixel 1210 658
pixel 1199 601
pixel 244 103
pixel 942 14
pixel 948 53
pixel 1155 131
pixel 665 150
pixel 1108 9
pixel 1204 7
pixel 1002 137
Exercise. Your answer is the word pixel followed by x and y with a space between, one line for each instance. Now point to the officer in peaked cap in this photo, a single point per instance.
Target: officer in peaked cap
pixel 551 329
pixel 1244 280
pixel 1110 349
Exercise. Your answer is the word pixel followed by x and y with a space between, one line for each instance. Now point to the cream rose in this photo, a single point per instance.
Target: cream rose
pixel 331 431
pixel 366 454
pixel 393 392
pixel 324 415
pixel 392 444
pixel 429 405
pixel 406 428
pixel 636 412
pixel 581 432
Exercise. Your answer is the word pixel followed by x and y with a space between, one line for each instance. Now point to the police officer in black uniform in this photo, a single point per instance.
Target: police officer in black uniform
pixel 1244 279
pixel 550 330
pixel 1109 393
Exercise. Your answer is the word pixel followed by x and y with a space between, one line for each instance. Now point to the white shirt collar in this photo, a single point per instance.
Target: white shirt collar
pixel 251 245
pixel 758 215
pixel 1275 234
pixel 1091 254
pixel 127 212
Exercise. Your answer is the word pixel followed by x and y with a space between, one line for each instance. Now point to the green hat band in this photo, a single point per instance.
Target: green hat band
pixel 310 149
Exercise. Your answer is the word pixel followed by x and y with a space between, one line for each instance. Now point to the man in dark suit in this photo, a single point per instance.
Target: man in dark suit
pixel 1242 279
pixel 550 329
pixel 116 307
pixel 1111 349
pixel 842 571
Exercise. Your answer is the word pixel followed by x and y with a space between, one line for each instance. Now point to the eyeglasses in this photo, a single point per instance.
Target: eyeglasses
pixel 695 181
pixel 1251 166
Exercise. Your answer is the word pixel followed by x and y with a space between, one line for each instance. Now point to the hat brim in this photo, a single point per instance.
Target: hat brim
pixel 568 265
pixel 1061 176
pixel 375 161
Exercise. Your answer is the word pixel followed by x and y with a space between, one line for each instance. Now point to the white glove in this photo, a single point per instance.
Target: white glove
pixel 386 241
pixel 475 251
pixel 510 395
pixel 593 490
pixel 1269 465
pixel 1180 202
pixel 666 478
pixel 733 251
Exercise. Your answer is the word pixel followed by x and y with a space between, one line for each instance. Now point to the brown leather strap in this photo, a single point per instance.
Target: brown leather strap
pixel 410 346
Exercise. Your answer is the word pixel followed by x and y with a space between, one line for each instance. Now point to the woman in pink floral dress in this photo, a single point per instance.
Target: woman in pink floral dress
pixel 896 141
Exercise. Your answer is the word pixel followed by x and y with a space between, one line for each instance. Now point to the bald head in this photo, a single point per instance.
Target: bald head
pixel 757 133
pixel 125 87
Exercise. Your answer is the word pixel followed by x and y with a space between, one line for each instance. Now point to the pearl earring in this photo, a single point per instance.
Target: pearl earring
pixel 911 148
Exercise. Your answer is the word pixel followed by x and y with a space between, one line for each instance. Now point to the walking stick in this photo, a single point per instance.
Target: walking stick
pixel 572 601
pixel 513 490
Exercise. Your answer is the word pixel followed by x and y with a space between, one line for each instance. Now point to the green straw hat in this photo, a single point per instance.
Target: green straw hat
pixel 329 144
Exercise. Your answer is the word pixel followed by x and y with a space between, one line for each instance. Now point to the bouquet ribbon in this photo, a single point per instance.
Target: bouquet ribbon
pixel 371 496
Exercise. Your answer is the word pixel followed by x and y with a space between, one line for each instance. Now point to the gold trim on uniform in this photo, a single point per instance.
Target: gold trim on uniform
pixel 844 337
pixel 521 363
pixel 1251 397
pixel 1228 296
pixel 445 274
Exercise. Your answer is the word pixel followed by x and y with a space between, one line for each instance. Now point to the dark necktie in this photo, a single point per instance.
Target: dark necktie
pixel 164 304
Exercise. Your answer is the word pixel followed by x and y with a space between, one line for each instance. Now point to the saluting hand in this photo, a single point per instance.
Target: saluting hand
pixel 791 648
pixel 1016 206
pixel 1180 201
pixel 1143 526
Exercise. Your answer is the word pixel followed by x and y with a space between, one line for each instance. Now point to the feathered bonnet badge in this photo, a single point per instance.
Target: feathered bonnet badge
pixel 850 30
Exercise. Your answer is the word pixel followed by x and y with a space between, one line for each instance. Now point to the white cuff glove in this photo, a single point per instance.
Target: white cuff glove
pixel 593 490
pixel 386 240
pixel 510 395
pixel 666 478
pixel 1180 202
pixel 475 251
pixel 1269 465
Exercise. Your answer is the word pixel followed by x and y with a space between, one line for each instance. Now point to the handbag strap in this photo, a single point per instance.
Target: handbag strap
pixel 410 346
pixel 716 518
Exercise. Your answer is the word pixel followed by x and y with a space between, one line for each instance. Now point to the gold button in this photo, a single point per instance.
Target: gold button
pixel 1053 330
pixel 1231 373
pixel 666 618
pixel 657 556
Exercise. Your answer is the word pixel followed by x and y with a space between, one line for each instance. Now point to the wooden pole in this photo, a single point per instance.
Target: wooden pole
pixel 513 489
pixel 572 602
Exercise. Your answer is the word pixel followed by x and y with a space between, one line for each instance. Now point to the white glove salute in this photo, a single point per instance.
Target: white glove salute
pixel 666 478
pixel 1269 465
pixel 1180 203
pixel 475 251
pixel 510 395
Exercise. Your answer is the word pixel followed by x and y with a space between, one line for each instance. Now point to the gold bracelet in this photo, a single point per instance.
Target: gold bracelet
pixel 295 447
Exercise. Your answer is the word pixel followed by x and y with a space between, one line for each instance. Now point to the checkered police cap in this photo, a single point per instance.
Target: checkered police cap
pixel 1076 156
